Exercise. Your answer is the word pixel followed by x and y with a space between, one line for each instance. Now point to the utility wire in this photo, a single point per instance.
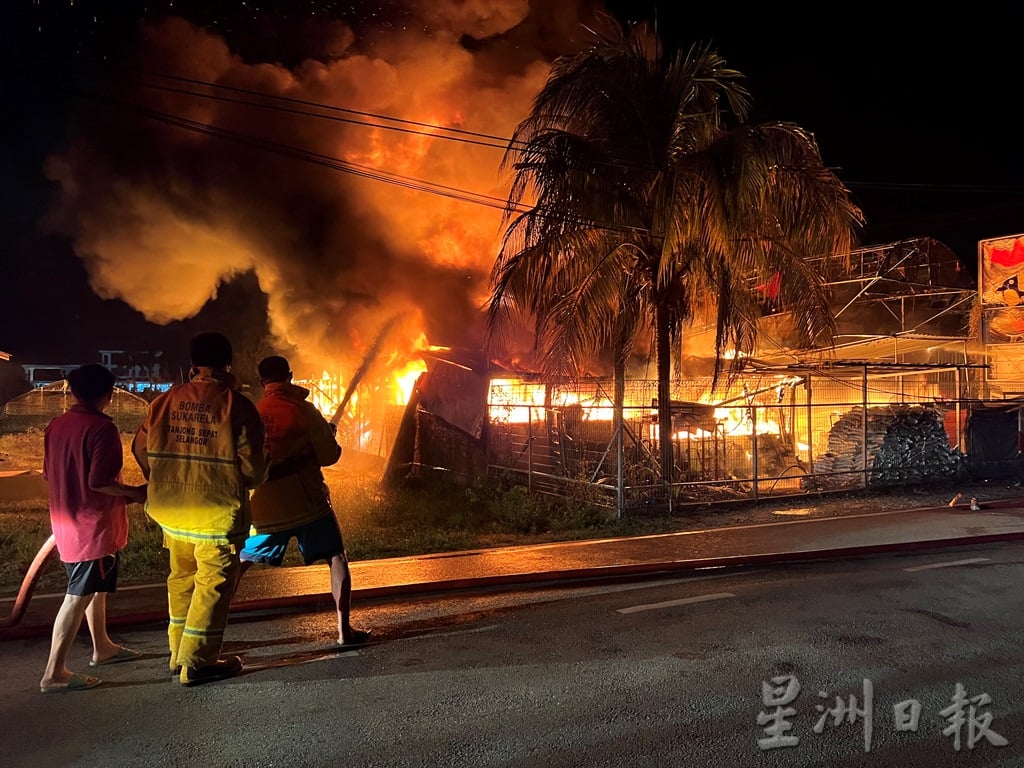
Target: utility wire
pixel 433 187
pixel 334 163
pixel 298 153
pixel 429 130
pixel 447 133
pixel 931 187
pixel 486 139
pixel 458 135
pixel 502 141
pixel 419 130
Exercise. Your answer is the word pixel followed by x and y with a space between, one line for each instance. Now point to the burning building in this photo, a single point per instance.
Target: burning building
pixel 887 404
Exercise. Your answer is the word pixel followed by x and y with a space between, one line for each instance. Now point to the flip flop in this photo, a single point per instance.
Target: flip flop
pixel 76 683
pixel 123 654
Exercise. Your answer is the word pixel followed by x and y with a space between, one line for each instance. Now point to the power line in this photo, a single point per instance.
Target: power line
pixel 447 133
pixel 299 153
pixel 333 163
pixel 959 217
pixel 429 187
pixel 435 131
pixel 429 130
pixel 441 132
pixel 895 186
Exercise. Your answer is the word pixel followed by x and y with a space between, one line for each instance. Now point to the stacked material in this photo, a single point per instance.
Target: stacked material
pixel 905 444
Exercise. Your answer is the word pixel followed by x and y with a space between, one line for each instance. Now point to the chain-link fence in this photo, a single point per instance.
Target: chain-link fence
pixel 36 408
pixel 757 435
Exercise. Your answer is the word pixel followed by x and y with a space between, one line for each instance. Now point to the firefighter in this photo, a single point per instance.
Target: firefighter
pixel 201 447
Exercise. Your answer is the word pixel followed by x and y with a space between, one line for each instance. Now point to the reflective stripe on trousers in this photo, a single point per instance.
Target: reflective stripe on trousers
pixel 200 586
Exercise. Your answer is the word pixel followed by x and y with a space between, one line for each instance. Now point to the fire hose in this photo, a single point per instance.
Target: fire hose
pixel 28 585
pixel 357 377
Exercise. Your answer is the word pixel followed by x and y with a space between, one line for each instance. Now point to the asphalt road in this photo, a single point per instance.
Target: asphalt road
pixel 658 673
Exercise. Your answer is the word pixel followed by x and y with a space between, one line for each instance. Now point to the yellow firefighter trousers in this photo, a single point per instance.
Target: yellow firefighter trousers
pixel 200 586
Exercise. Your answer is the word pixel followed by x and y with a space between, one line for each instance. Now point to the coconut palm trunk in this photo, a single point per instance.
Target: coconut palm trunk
pixel 663 343
pixel 618 428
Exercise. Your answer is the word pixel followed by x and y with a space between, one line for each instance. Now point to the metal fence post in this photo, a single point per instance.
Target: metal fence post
pixel 753 449
pixel 810 429
pixel 864 426
pixel 529 448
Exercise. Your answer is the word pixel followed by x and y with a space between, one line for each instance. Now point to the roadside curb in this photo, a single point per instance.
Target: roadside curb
pixel 596 575
pixel 144 604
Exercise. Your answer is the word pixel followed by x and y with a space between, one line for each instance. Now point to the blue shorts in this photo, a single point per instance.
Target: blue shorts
pixel 318 540
pixel 92 576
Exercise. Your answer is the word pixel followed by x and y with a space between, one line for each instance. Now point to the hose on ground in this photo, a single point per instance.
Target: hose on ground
pixel 28 584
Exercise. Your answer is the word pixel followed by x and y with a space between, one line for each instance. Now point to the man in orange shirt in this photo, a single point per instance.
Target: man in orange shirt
pixel 295 500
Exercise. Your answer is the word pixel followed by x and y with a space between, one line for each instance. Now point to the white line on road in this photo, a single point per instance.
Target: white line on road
pixel 673 603
pixel 950 564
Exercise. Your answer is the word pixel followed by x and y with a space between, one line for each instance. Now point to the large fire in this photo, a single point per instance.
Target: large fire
pixel 364 405
pixel 356 184
pixel 328 390
pixel 514 401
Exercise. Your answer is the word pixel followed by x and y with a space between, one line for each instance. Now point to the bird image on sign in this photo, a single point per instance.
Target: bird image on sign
pixel 1010 291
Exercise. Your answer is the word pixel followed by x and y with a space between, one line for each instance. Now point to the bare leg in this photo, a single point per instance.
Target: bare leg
pixel 65 627
pixel 96 617
pixel 341 590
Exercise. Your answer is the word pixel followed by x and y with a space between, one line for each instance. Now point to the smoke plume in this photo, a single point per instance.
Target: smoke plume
pixel 171 187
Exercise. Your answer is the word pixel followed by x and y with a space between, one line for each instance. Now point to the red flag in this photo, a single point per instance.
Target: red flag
pixel 1008 257
pixel 771 288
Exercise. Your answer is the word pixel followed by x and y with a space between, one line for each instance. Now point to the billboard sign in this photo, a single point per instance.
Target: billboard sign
pixel 1001 288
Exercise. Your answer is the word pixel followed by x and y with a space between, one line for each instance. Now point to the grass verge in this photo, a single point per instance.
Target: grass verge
pixel 377 522
pixel 381 522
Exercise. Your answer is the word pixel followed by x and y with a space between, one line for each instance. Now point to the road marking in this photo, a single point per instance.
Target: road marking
pixel 950 564
pixel 673 603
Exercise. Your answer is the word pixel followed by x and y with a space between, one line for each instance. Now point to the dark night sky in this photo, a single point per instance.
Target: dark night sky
pixel 919 117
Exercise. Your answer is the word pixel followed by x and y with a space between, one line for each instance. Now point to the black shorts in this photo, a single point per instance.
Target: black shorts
pixel 92 576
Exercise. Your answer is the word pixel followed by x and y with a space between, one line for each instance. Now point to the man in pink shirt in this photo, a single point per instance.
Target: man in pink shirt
pixel 82 460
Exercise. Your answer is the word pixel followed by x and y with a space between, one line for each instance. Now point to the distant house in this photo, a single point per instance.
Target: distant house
pixel 139 372
pixel 42 374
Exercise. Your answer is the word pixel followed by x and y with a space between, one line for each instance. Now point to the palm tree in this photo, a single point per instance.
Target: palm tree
pixel 642 202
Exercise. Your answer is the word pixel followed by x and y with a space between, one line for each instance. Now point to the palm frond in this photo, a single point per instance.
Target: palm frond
pixel 642 202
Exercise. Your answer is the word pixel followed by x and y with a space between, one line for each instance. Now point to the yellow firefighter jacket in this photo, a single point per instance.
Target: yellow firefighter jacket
pixel 299 442
pixel 201 447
